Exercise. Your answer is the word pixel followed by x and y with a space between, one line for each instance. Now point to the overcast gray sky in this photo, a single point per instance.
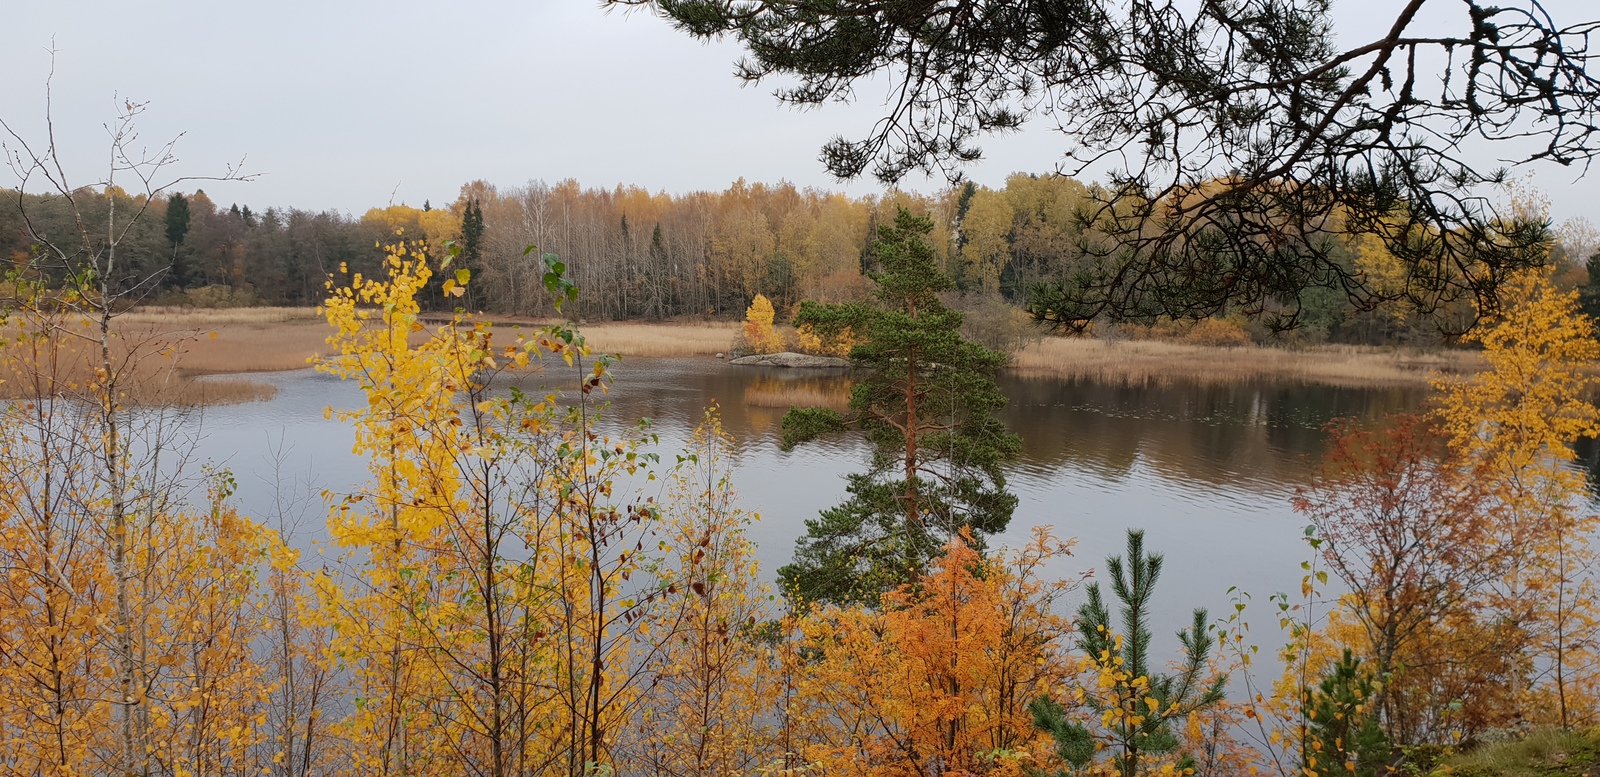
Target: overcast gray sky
pixel 347 104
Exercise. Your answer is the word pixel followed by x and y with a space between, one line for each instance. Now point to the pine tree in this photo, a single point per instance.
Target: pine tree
pixel 926 401
pixel 1136 706
pixel 1235 136
pixel 1343 735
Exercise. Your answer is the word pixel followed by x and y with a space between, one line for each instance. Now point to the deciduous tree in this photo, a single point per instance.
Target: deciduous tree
pixel 1416 537
pixel 1514 423
pixel 759 335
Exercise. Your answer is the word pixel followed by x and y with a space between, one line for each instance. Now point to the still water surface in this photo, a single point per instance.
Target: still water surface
pixel 1208 471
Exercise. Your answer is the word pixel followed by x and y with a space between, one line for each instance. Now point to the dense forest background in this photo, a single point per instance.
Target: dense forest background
pixel 651 256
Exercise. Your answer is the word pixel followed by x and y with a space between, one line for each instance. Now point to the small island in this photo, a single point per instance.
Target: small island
pixel 790 359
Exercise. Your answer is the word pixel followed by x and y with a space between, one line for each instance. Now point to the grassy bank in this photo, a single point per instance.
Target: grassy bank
pixel 1543 753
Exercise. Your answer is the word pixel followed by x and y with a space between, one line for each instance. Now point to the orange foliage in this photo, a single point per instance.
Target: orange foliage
pixel 941 678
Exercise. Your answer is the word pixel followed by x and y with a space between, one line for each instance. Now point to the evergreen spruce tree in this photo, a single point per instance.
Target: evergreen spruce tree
pixel 1589 295
pixel 177 230
pixel 658 247
pixel 471 241
pixel 926 401
pixel 1125 654
pixel 472 235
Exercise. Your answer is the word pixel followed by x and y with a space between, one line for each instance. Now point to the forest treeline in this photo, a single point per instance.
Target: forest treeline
pixel 650 256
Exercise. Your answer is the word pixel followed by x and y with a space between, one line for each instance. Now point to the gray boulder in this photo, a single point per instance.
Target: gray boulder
pixel 790 359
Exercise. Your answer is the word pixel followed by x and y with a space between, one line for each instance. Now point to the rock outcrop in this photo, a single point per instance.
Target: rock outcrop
pixel 790 359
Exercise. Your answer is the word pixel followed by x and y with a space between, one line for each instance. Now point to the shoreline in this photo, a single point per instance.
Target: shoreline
pixel 241 341
pixel 1156 361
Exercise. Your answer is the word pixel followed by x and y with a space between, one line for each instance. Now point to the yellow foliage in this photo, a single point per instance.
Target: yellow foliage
pixel 509 611
pixel 400 220
pixel 1516 420
pixel 759 335
pixel 1384 273
pixel 438 226
pixel 1216 332
pixel 1533 400
pixel 129 618
pixel 708 708
pixel 839 345
pixel 987 232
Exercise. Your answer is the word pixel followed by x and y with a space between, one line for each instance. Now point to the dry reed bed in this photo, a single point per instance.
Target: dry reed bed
pixel 663 339
pixel 207 318
pixel 1150 361
pixel 150 369
pixel 240 349
pixel 632 338
pixel 169 347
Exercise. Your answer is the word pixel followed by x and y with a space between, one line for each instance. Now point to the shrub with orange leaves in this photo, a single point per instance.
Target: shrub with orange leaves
pixel 940 679
pixel 1416 538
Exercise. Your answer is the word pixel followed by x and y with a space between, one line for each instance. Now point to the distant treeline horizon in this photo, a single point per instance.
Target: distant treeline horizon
pixel 639 255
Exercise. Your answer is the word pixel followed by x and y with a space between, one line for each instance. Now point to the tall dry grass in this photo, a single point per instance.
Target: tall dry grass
pixel 633 338
pixel 231 340
pixel 207 318
pixel 285 338
pixel 1147 361
pixel 241 349
pixel 661 339
pixel 273 339
pixel 150 367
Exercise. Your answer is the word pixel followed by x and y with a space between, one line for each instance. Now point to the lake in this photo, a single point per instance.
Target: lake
pixel 1207 470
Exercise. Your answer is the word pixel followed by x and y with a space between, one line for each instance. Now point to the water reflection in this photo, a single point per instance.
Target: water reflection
pixel 1235 435
pixel 1207 469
